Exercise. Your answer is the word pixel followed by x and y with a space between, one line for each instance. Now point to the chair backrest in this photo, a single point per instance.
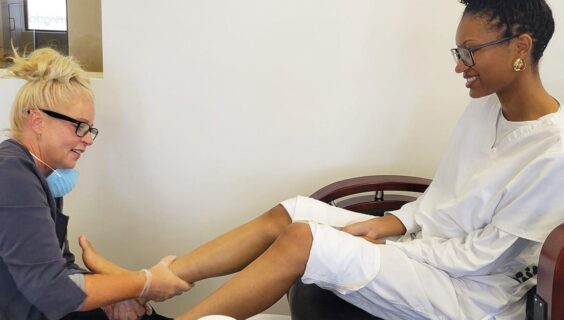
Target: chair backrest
pixel 372 194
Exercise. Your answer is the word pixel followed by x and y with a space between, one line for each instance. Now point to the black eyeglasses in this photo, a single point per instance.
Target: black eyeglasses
pixel 467 54
pixel 82 128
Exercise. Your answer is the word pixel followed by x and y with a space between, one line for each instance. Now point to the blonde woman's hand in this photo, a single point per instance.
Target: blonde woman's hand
pixel 126 310
pixel 164 283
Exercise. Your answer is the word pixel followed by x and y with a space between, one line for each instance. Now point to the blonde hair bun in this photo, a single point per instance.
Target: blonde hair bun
pixel 46 64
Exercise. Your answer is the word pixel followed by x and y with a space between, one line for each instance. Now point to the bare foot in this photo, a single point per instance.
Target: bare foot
pixel 96 262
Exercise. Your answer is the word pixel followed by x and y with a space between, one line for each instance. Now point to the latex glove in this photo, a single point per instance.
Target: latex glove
pixel 164 284
pixel 126 310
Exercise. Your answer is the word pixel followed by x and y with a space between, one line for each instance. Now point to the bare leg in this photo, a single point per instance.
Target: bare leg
pixel 263 281
pixel 234 250
pixel 260 284
pixel 229 253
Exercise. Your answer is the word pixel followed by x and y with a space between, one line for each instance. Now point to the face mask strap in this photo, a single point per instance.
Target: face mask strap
pixel 48 166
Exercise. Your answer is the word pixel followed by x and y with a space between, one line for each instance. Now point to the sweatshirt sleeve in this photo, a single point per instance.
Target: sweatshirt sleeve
pixel 406 214
pixel 478 253
pixel 532 203
pixel 28 243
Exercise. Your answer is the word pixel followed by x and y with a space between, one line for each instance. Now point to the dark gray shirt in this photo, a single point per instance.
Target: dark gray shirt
pixel 35 262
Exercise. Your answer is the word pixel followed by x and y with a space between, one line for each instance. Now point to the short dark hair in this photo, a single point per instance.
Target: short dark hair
pixel 515 17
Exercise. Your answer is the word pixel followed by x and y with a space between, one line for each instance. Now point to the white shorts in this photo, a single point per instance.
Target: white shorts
pixel 379 279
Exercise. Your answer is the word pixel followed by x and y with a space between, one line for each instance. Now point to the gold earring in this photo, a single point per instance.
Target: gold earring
pixel 519 65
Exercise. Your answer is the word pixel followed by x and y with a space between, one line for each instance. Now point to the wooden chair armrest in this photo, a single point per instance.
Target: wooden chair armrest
pixel 352 186
pixel 550 277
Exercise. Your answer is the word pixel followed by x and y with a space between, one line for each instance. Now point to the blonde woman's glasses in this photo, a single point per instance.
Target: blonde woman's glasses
pixel 82 128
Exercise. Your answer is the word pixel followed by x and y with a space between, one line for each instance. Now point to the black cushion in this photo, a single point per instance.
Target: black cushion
pixel 310 302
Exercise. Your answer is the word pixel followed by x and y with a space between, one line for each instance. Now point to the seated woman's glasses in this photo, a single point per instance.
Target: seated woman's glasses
pixel 467 54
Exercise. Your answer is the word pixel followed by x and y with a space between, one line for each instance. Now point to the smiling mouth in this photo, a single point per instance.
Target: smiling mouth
pixel 78 151
pixel 470 81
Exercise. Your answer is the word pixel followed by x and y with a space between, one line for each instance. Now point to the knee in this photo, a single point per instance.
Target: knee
pixel 297 238
pixel 276 220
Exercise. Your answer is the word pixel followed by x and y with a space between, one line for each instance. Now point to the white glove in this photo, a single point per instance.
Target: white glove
pixel 161 284
pixel 126 310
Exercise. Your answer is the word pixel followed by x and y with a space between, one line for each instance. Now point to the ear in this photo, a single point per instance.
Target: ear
pixel 35 121
pixel 524 45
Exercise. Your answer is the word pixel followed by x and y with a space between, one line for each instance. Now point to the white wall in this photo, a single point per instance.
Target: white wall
pixel 212 111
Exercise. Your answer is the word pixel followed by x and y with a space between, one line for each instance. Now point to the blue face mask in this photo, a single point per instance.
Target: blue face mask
pixel 60 181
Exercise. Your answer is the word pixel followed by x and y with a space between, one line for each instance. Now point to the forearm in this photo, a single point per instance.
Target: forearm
pixel 102 290
pixel 478 253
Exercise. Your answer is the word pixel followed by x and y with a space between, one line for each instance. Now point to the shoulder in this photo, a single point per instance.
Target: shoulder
pixel 21 181
pixel 550 131
pixel 556 120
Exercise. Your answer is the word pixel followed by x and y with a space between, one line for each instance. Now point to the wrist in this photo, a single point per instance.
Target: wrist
pixel 392 226
pixel 147 286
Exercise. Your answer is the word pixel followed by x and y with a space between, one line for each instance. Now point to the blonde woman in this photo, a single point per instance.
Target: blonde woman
pixel 52 126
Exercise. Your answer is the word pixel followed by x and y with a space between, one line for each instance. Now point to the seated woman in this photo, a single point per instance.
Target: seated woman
pixel 51 128
pixel 468 247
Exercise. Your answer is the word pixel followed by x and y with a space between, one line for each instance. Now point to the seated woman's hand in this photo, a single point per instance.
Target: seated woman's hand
pixel 164 283
pixel 376 229
pixel 366 229
pixel 96 262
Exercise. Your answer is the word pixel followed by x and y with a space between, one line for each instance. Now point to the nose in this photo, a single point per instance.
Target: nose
pixel 460 67
pixel 87 139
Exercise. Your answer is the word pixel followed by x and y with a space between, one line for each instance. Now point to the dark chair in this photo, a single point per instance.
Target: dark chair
pixel 377 194
pixel 549 298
